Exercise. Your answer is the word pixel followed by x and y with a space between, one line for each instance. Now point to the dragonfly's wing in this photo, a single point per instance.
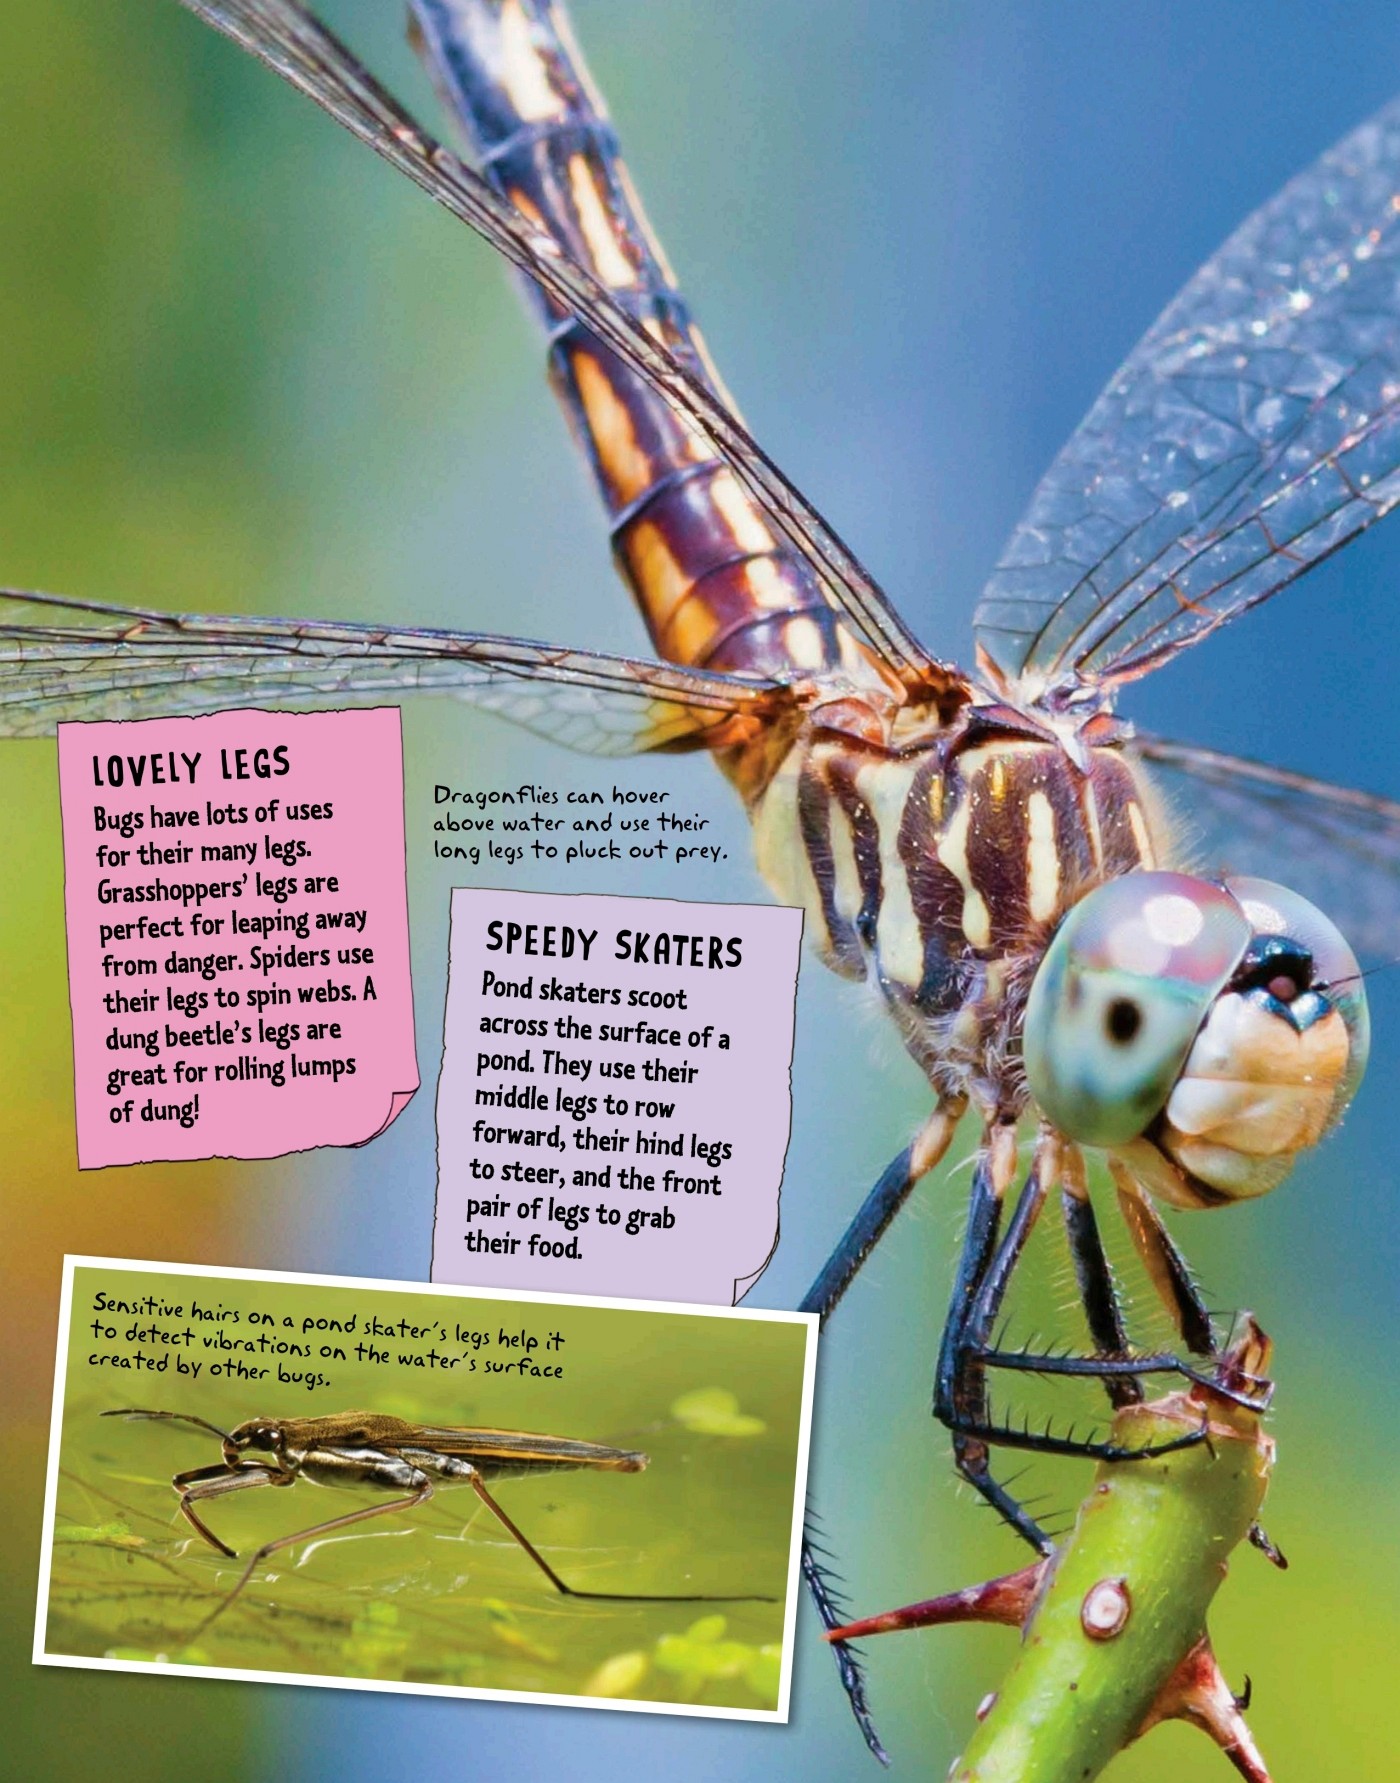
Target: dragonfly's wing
pixel 1254 429
pixel 65 659
pixel 1338 847
pixel 303 52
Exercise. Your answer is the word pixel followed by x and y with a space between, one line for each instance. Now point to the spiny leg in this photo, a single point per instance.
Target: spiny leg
pixel 1121 1372
pixel 1166 1267
pixel 1097 1289
pixel 1114 1363
pixel 1171 1276
pixel 1118 1368
pixel 879 1208
pixel 984 1270
pixel 824 1588
pixel 961 1400
pixel 872 1220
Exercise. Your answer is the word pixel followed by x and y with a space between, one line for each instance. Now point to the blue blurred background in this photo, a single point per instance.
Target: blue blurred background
pixel 247 367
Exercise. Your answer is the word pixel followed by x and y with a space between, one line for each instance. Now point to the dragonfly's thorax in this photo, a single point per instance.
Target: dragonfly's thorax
pixel 938 866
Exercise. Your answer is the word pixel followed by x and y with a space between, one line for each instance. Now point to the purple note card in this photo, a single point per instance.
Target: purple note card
pixel 615 1097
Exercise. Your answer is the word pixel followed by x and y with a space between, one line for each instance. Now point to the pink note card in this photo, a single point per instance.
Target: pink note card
pixel 237 910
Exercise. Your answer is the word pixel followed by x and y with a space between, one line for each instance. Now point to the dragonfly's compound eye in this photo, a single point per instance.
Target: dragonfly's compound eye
pixel 1207 1033
pixel 1121 995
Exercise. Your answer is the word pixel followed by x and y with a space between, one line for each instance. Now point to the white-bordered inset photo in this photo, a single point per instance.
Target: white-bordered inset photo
pixel 326 1480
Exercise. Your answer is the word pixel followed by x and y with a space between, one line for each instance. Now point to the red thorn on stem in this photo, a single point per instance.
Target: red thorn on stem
pixel 1008 1600
pixel 1197 1692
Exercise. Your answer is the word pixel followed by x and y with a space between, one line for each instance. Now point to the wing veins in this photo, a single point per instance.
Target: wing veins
pixel 1290 566
pixel 145 653
pixel 1265 392
pixel 1236 767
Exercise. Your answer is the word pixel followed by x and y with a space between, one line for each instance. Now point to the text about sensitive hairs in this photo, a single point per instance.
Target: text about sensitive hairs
pixel 214 1335
pixel 237 933
pixel 615 1097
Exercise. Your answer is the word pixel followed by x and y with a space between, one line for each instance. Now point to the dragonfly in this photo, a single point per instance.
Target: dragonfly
pixel 991 850
pixel 389 1454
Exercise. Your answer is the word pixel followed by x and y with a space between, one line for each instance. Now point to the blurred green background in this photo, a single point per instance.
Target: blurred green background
pixel 244 366
pixel 439 1595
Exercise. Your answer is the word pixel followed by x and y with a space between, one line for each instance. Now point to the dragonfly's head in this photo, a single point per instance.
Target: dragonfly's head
pixel 1205 1033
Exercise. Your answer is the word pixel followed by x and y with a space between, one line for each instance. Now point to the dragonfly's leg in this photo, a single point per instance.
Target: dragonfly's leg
pixel 972 1458
pixel 214 1482
pixel 865 1231
pixel 1094 1273
pixel 984 1270
pixel 464 1470
pixel 961 1396
pixel 821 1584
pixel 1045 1442
pixel 962 1401
pixel 1118 1369
pixel 878 1209
pixel 423 1490
pixel 1110 1369
pixel 1172 1278
pixel 1168 1269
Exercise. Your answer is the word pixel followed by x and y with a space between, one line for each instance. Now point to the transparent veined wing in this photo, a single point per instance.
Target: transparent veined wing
pixel 71 659
pixel 1254 429
pixel 1337 846
pixel 299 48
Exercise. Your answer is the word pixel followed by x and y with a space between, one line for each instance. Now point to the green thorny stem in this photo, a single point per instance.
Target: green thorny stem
pixel 1114 1621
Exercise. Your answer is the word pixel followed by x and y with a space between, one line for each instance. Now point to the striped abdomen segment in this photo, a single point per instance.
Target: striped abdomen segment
pixel 714 586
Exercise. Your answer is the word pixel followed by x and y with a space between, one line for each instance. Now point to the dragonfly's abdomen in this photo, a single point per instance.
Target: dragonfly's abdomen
pixel 715 587
pixel 939 876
